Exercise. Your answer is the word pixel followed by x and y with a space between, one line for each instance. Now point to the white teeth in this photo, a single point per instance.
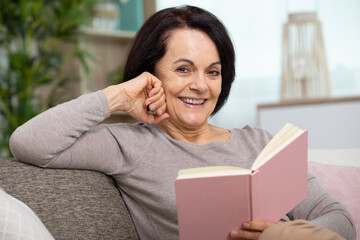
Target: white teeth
pixel 192 101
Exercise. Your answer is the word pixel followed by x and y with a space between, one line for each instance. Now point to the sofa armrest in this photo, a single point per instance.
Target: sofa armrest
pixel 73 204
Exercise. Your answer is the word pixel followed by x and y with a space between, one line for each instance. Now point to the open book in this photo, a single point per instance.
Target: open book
pixel 213 200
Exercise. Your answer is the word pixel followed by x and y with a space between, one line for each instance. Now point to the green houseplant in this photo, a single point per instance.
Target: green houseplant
pixel 32 36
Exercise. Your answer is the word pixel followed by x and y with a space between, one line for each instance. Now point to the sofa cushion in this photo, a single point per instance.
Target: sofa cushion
pixel 342 182
pixel 73 204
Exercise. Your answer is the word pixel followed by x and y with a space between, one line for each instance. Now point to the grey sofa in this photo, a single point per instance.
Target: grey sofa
pixel 73 204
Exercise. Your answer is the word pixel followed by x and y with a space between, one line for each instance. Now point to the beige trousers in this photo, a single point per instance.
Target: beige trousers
pixel 298 230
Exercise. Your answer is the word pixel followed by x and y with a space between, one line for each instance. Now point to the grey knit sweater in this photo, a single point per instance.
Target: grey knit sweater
pixel 144 162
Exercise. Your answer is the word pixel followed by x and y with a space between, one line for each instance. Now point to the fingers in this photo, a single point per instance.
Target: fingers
pixel 151 118
pixel 156 96
pixel 243 234
pixel 157 102
pixel 145 93
pixel 159 118
pixel 251 230
pixel 256 225
pixel 153 85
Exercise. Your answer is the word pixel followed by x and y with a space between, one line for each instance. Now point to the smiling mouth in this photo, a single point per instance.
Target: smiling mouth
pixel 192 101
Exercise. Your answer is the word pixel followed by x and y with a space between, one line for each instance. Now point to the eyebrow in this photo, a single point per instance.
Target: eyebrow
pixel 192 63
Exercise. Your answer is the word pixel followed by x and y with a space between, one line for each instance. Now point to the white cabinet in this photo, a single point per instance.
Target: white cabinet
pixel 332 123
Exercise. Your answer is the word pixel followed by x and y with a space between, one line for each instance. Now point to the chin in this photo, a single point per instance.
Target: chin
pixel 194 121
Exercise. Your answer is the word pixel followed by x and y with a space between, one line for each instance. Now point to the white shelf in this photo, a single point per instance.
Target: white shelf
pixel 110 34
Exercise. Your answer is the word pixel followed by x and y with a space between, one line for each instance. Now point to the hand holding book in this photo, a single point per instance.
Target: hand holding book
pixel 251 230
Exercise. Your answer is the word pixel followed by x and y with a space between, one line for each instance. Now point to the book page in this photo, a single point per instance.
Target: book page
pixel 211 171
pixel 285 134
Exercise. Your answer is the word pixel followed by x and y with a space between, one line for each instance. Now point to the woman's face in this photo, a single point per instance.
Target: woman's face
pixel 190 72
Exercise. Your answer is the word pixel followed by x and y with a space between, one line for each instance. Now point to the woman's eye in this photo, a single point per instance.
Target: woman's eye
pixel 214 73
pixel 182 70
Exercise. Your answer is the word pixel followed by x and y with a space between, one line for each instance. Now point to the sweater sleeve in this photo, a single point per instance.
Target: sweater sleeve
pixel 70 130
pixel 321 209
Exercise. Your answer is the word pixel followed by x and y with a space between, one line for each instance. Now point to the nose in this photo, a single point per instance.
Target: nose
pixel 199 83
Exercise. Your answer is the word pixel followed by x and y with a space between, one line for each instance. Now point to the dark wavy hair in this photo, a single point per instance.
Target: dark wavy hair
pixel 151 41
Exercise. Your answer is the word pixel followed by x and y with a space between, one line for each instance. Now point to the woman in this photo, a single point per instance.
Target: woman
pixel 181 66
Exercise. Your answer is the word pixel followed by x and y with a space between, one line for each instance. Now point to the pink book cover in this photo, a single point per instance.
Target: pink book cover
pixel 281 183
pixel 210 207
